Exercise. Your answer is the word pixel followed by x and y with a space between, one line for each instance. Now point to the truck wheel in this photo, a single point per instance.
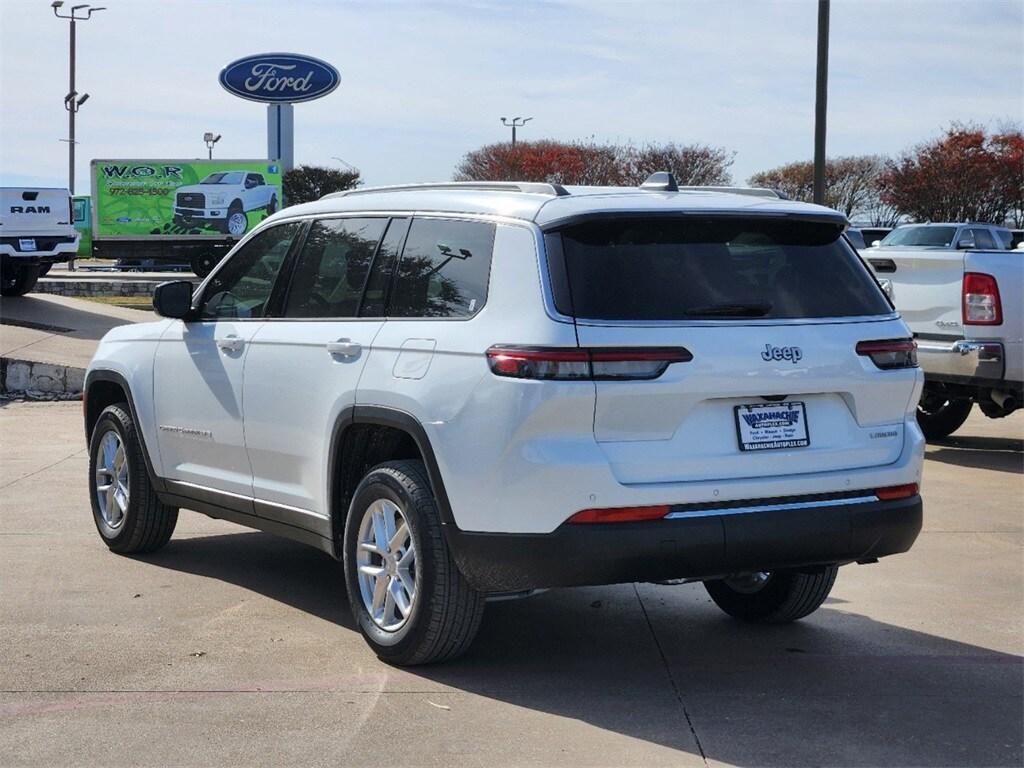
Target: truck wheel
pixel 939 417
pixel 18 279
pixel 407 595
pixel 203 264
pixel 272 206
pixel 236 223
pixel 128 515
pixel 773 597
pixel 44 268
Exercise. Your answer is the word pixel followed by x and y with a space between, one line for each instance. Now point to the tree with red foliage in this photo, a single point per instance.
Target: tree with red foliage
pixel 851 185
pixel 965 175
pixel 594 164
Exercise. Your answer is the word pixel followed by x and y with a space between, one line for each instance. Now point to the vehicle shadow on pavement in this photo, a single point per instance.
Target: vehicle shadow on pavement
pixel 282 570
pixel 663 665
pixel 1002 454
pixel 80 320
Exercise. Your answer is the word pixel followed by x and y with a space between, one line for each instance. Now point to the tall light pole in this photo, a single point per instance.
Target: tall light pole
pixel 72 102
pixel 517 122
pixel 821 103
pixel 210 140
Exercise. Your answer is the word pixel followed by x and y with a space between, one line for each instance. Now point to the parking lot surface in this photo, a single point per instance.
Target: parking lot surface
pixel 232 647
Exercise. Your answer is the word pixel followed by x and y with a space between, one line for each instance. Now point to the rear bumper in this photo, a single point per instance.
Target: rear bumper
pixel 962 361
pixel 704 545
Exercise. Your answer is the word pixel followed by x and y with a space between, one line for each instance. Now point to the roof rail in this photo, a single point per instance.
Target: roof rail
pixel 751 191
pixel 665 181
pixel 532 187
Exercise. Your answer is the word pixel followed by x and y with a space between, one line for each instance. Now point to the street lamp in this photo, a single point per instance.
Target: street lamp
pixel 517 122
pixel 73 101
pixel 210 140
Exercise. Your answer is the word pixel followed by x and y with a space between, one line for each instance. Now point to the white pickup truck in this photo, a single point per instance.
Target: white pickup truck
pixel 961 291
pixel 222 199
pixel 36 230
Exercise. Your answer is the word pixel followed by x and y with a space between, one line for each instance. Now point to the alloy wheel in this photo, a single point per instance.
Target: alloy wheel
pixel 386 565
pixel 112 484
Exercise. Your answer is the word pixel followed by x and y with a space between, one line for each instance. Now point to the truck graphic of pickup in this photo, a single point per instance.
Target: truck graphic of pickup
pixel 223 200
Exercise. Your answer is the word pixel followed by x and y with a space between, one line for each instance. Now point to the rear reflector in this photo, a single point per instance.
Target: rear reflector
pixel 569 363
pixel 894 492
pixel 890 353
pixel 619 515
pixel 981 305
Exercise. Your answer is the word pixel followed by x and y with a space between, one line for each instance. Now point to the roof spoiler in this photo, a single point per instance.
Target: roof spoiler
pixel 531 187
pixel 665 181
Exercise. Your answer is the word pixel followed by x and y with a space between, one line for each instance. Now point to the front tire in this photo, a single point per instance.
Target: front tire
pixel 128 515
pixel 202 264
pixel 236 222
pixel 18 279
pixel 411 602
pixel 939 417
pixel 773 597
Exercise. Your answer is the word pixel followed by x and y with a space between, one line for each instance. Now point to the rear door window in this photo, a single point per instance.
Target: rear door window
pixel 332 267
pixel 983 239
pixel 444 269
pixel 712 268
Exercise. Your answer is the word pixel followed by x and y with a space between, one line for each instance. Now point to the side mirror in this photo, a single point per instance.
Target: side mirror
pixel 875 243
pixel 965 243
pixel 173 299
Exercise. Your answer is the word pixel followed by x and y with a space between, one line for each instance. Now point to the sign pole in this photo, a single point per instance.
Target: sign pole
pixel 281 134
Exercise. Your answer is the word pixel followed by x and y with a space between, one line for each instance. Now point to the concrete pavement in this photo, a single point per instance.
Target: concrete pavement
pixel 231 647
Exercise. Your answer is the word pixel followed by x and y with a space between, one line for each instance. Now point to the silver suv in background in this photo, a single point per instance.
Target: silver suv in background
pixel 469 390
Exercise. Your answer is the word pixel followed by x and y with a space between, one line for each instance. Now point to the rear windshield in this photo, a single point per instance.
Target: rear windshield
pixel 921 236
pixel 717 268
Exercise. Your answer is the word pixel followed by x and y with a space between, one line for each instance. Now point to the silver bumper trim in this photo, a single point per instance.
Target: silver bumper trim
pixel 770 507
pixel 964 359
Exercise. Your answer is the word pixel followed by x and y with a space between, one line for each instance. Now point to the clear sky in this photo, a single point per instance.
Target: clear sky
pixel 422 82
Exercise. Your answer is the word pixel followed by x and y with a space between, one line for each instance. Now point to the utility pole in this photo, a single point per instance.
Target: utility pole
pixel 517 122
pixel 821 103
pixel 72 102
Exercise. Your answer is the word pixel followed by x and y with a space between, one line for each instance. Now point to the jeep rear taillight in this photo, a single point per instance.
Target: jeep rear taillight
pixel 981 304
pixel 592 364
pixel 888 354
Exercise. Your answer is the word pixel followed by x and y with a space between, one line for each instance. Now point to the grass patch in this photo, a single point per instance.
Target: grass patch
pixel 135 302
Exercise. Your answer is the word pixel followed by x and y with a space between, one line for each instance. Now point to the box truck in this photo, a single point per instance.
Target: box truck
pixel 189 211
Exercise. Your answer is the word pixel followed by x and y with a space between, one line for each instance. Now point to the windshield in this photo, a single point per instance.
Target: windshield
pixel 234 177
pixel 715 268
pixel 922 236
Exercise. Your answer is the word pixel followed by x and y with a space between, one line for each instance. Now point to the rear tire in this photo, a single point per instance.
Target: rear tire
pixel 128 515
pixel 939 418
pixel 18 279
pixel 439 618
pixel 203 264
pixel 773 597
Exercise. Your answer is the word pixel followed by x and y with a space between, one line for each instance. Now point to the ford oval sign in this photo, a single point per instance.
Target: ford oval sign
pixel 279 78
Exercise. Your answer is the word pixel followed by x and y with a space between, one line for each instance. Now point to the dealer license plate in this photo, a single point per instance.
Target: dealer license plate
pixel 763 427
pixel 27 244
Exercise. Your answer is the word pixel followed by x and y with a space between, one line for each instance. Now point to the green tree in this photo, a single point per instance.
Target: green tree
pixel 307 183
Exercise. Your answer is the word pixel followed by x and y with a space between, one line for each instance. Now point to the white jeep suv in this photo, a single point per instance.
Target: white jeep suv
pixel 465 390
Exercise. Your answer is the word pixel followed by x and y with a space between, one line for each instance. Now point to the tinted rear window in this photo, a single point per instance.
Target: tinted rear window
pixel 690 268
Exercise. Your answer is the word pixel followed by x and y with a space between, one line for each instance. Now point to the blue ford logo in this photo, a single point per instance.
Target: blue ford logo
pixel 279 78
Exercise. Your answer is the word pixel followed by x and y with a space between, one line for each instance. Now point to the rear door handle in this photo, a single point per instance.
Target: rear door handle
pixel 344 347
pixel 230 343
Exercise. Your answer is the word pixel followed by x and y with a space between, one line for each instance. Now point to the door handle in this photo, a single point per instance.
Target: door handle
pixel 230 343
pixel 344 347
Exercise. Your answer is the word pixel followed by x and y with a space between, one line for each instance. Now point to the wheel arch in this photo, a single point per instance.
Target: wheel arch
pixel 103 388
pixel 364 436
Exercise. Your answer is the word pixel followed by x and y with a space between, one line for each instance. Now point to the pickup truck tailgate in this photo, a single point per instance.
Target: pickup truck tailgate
pixel 927 286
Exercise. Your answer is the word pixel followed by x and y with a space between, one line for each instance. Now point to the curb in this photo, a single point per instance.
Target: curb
pixel 34 378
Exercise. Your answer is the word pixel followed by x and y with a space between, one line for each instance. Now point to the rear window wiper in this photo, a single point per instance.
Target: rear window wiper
pixel 730 310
